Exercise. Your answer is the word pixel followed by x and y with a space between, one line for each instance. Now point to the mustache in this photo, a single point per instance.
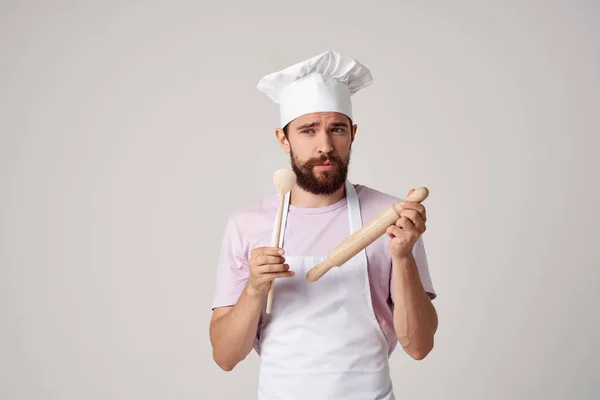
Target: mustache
pixel 330 158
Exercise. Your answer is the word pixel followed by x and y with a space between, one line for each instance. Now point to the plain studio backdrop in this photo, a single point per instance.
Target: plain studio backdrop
pixel 129 130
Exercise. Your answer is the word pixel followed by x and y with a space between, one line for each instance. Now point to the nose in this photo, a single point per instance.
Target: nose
pixel 324 144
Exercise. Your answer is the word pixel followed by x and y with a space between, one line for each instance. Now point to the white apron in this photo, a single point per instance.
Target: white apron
pixel 322 340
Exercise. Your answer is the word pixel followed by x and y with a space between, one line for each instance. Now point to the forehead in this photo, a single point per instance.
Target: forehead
pixel 322 117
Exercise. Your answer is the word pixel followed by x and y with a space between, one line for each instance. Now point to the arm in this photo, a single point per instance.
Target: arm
pixel 415 318
pixel 233 329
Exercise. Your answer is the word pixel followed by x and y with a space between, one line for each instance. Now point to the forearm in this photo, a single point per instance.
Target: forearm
pixel 415 318
pixel 233 334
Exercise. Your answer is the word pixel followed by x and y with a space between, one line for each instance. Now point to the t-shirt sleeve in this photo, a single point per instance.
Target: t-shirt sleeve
pixel 420 256
pixel 232 270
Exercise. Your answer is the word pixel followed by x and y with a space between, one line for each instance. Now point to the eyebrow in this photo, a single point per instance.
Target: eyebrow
pixel 313 124
pixel 309 125
pixel 340 124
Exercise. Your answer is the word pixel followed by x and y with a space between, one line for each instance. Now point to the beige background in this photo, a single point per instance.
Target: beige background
pixel 113 201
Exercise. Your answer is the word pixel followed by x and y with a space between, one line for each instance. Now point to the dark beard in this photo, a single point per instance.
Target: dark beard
pixel 328 181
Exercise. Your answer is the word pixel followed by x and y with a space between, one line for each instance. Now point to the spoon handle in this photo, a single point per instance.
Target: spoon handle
pixel 275 244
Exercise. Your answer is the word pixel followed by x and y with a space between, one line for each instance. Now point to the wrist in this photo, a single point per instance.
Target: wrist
pixel 253 293
pixel 403 259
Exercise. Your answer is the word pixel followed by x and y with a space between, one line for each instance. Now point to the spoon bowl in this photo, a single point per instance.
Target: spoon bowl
pixel 284 179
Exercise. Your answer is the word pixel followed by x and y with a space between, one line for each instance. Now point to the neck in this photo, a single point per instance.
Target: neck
pixel 301 198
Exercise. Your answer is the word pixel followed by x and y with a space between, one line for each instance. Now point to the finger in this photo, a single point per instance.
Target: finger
pixel 414 217
pixel 417 221
pixel 393 231
pixel 269 277
pixel 404 223
pixel 267 250
pixel 418 207
pixel 268 259
pixel 407 224
pixel 401 222
pixel 270 268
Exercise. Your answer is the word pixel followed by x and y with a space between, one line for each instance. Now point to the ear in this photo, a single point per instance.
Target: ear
pixel 283 141
pixel 354 130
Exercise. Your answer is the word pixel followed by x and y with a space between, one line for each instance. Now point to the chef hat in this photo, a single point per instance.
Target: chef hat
pixel 323 83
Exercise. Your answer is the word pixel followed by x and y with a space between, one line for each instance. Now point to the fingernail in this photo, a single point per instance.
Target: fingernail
pixel 281 251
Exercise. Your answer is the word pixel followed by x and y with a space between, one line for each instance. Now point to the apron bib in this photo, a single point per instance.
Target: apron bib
pixel 322 340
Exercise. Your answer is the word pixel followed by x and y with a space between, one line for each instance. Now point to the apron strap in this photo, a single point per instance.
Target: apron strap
pixel 355 216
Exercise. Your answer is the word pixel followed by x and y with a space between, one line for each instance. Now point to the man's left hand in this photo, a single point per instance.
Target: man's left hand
pixel 407 229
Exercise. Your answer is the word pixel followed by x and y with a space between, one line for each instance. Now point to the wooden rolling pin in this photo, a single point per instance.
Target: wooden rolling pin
pixel 364 236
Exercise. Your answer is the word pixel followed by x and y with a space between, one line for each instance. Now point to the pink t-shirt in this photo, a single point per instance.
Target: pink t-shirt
pixel 313 231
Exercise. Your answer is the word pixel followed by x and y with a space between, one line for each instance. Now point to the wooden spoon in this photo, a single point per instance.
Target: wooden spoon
pixel 284 179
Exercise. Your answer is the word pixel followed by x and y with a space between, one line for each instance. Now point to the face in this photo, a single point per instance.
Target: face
pixel 319 145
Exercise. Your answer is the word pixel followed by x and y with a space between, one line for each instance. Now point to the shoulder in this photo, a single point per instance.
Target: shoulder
pixel 373 201
pixel 256 210
pixel 253 222
pixel 373 198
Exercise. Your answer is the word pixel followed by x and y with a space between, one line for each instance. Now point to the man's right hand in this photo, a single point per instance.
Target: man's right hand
pixel 233 329
pixel 266 264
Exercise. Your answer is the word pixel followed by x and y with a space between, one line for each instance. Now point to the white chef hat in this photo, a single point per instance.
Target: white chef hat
pixel 323 83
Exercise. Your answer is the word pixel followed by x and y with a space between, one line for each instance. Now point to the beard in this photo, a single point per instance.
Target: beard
pixel 322 182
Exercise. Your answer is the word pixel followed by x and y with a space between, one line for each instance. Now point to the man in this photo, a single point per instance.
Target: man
pixel 329 339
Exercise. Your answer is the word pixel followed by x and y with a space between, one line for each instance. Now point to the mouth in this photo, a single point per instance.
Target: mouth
pixel 325 165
